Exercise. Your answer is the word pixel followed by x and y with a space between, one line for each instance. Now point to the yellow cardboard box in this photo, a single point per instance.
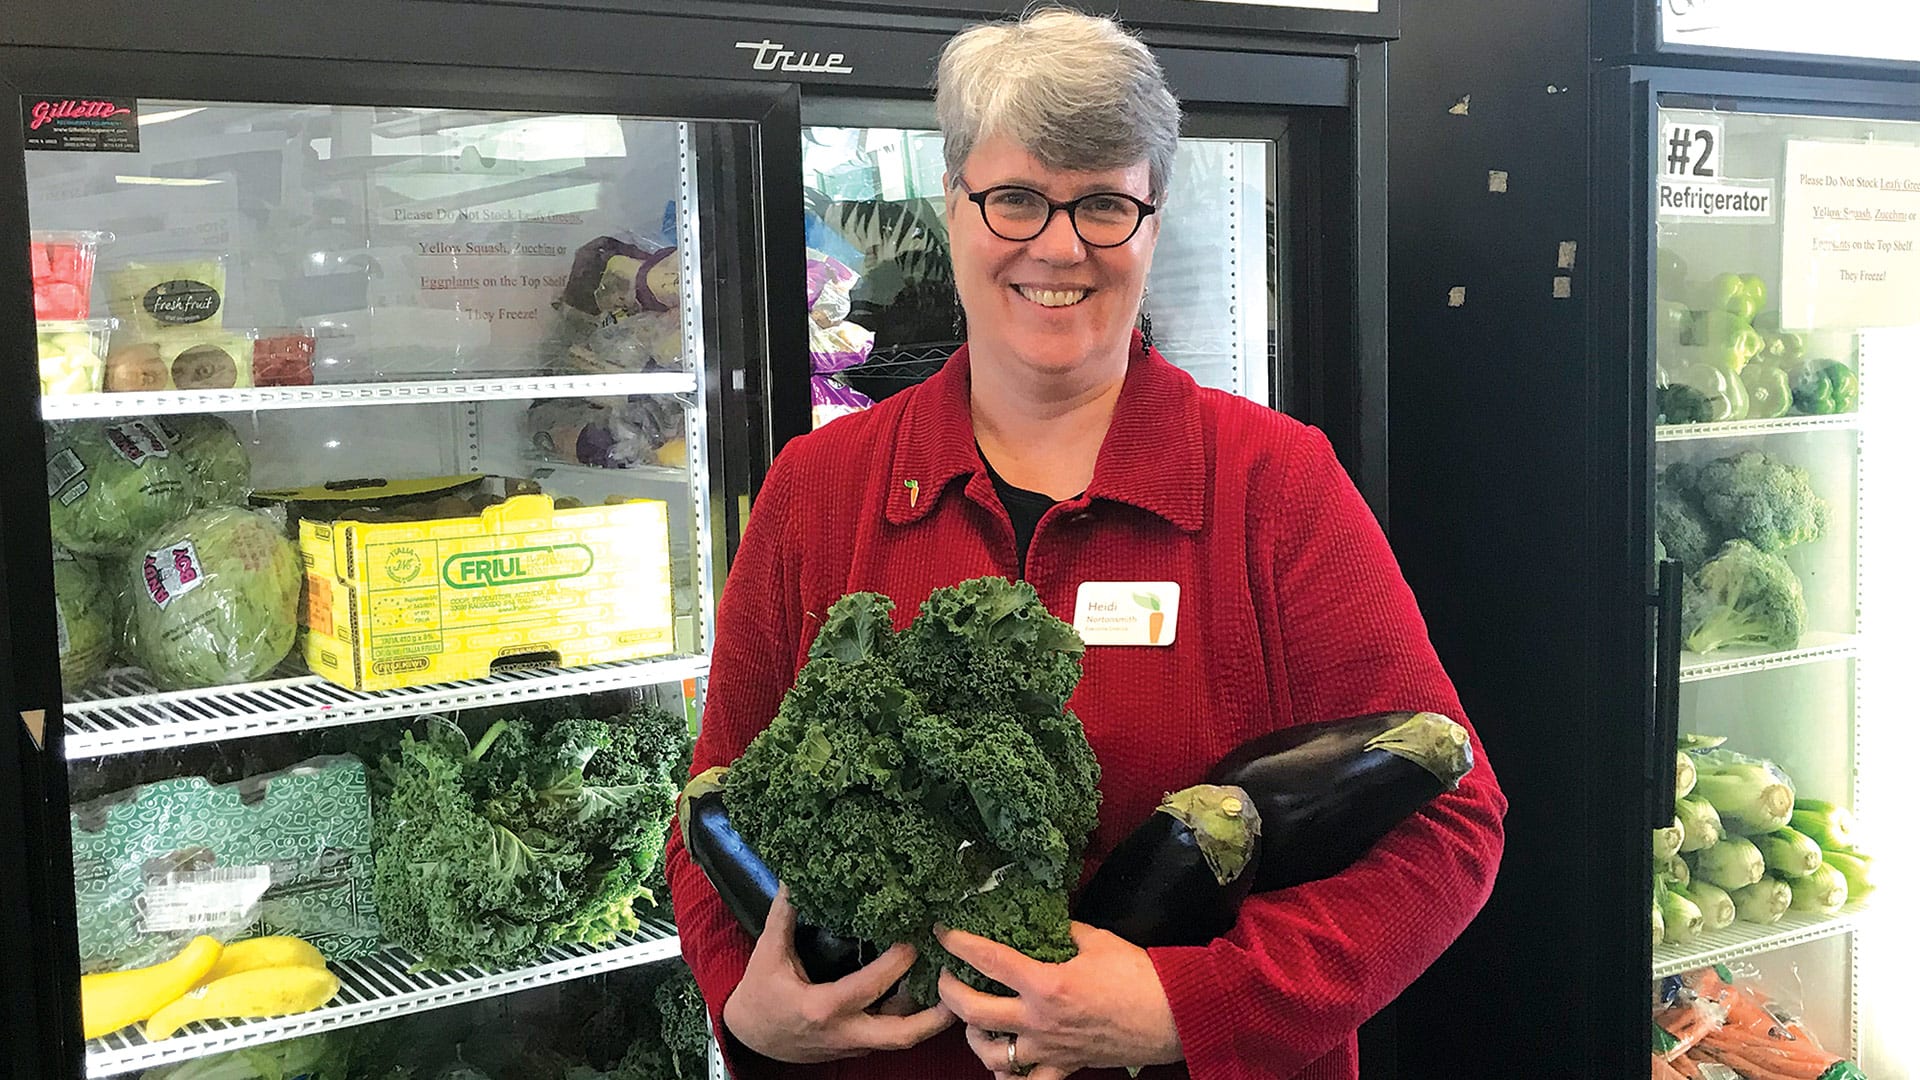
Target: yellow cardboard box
pixel 522 585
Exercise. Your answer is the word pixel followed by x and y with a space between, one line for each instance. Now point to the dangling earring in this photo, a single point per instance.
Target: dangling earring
pixel 959 317
pixel 1146 321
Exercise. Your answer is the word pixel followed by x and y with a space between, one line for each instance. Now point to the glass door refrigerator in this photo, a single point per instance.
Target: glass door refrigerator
pixel 1779 221
pixel 392 426
pixel 1267 281
pixel 404 375
pixel 1689 631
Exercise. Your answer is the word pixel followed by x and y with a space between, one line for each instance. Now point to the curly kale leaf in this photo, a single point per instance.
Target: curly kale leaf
pixel 537 833
pixel 929 775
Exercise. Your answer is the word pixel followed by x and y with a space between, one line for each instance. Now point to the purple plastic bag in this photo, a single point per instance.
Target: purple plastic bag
pixel 838 347
pixel 833 399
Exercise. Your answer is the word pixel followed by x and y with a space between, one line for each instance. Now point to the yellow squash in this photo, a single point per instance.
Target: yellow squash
pixel 114 999
pixel 276 991
pixel 263 952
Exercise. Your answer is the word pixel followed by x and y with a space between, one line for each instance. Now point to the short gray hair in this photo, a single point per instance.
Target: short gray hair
pixel 1077 91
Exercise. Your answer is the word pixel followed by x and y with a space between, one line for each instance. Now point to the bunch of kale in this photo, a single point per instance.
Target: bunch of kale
pixel 930 775
pixel 541 831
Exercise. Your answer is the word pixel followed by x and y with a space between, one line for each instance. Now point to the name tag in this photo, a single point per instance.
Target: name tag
pixel 1127 612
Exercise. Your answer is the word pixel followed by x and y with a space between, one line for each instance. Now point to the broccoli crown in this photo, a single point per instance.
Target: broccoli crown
pixel 928 775
pixel 1743 596
pixel 1760 499
pixel 1679 524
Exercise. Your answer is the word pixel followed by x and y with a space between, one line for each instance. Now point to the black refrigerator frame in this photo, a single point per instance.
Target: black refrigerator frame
pixel 623 56
pixel 1523 484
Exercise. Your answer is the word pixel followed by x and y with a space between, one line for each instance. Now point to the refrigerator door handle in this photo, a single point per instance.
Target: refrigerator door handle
pixel 1666 690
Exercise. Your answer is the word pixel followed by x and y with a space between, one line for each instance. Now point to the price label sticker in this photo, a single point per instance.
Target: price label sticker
pixel 223 896
pixel 1690 149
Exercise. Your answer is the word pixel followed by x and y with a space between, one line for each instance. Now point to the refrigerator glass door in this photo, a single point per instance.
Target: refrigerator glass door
pixel 885 313
pixel 378 467
pixel 1785 349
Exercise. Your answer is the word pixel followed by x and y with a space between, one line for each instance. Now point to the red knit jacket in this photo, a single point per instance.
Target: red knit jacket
pixel 1292 610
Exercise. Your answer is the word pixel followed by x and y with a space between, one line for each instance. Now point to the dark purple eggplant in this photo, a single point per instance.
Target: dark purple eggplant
pixel 1320 796
pixel 747 886
pixel 1195 855
pixel 1328 792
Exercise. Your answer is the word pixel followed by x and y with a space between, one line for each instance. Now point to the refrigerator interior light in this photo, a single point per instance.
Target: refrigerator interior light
pixel 151 119
pixel 1888 801
pixel 167 181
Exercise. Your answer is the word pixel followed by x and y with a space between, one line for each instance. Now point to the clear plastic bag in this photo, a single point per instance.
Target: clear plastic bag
pixel 1721 1024
pixel 286 852
pixel 833 399
pixel 215 598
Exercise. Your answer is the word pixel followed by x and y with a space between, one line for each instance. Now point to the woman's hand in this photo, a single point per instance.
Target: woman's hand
pixel 778 1013
pixel 1102 1009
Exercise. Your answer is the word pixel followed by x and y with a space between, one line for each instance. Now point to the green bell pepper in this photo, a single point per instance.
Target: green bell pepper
pixel 1769 391
pixel 1784 347
pixel 1729 336
pixel 1824 388
pixel 1737 294
pixel 1724 394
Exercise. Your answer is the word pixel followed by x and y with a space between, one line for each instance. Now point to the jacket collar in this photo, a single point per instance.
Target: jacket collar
pixel 1152 457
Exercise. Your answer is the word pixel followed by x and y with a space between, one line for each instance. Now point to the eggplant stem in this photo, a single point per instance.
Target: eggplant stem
pixel 1225 824
pixel 1431 741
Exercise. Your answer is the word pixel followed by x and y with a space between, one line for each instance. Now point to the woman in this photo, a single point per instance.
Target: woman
pixel 1055 446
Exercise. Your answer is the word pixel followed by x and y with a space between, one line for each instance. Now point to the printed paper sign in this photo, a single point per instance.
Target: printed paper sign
pixel 1854 28
pixel 1749 200
pixel 1127 612
pixel 1849 256
pixel 1690 148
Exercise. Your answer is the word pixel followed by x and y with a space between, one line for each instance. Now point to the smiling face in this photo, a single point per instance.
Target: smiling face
pixel 1050 304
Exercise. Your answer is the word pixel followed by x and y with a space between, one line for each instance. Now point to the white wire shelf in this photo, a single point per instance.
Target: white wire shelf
pixel 1737 428
pixel 1815 647
pixel 124 713
pixel 379 987
pixel 1751 939
pixel 250 399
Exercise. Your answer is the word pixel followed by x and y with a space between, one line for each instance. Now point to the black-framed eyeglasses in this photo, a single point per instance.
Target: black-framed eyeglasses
pixel 1104 219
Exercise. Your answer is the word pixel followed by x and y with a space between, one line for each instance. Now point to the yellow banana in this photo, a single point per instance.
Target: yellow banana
pixel 263 952
pixel 276 991
pixel 112 1000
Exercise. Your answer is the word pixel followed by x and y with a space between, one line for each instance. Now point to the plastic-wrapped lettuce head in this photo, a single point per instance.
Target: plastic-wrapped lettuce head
pixel 83 615
pixel 215 599
pixel 213 453
pixel 110 484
